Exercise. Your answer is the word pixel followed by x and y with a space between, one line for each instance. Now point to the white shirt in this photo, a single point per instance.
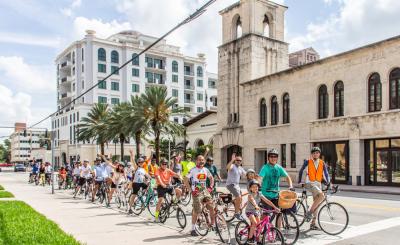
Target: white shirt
pixel 85 172
pixel 140 175
pixel 76 171
pixel 48 170
pixel 198 178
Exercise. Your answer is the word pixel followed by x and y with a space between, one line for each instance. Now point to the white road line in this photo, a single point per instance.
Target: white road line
pixel 353 232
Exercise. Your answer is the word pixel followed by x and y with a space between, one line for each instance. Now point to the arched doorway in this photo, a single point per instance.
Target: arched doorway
pixel 229 151
pixel 199 142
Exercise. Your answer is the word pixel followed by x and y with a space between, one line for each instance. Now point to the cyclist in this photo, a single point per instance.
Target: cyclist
pixel 48 172
pixel 235 171
pixel 139 180
pixel 85 175
pixel 100 175
pixel 118 176
pixel 213 170
pixel 316 172
pixel 129 171
pixel 176 166
pixel 62 176
pixel 76 173
pixel 187 165
pixel 34 173
pixel 42 173
pixel 163 177
pixel 201 194
pixel 152 168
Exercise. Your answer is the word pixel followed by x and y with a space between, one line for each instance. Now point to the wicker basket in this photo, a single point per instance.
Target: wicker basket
pixel 287 199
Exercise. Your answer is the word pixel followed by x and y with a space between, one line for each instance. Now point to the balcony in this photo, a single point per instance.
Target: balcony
pixel 65 95
pixel 65 64
pixel 189 73
pixel 189 101
pixel 66 79
pixel 189 86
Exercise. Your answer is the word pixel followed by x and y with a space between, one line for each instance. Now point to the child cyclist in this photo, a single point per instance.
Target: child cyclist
pixel 252 208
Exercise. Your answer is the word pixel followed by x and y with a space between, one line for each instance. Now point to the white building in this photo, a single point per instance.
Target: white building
pixel 85 62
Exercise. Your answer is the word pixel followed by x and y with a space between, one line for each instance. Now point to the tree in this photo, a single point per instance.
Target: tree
pixel 155 110
pixel 93 127
pixel 5 151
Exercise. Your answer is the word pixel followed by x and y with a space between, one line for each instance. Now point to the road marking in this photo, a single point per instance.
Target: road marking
pixel 379 207
pixel 353 232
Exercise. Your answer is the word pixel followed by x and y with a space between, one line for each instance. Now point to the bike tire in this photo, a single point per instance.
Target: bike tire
pixel 222 228
pixel 229 212
pixel 164 212
pixel 181 217
pixel 291 228
pixel 276 234
pixel 201 226
pixel 150 207
pixel 242 230
pixel 300 212
pixel 185 200
pixel 137 206
pixel 328 207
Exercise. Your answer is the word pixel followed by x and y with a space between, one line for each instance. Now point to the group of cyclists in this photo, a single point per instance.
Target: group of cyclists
pixel 199 177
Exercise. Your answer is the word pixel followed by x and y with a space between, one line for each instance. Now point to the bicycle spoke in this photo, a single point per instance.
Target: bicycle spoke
pixel 333 218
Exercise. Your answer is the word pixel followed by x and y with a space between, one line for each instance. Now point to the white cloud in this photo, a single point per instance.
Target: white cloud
pixel 69 10
pixel 28 39
pixel 25 77
pixel 103 29
pixel 357 23
pixel 14 107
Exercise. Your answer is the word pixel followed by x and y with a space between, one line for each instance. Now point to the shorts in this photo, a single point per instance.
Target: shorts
pixel 255 213
pixel 136 187
pixel 234 189
pixel 315 188
pixel 113 185
pixel 81 181
pixel 161 191
pixel 198 200
pixel 266 206
pixel 129 178
pixel 176 181
pixel 99 182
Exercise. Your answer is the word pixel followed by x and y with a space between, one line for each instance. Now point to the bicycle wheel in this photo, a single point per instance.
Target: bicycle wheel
pixel 242 230
pixel 300 212
pixel 228 211
pixel 164 212
pixel 137 207
pixel 152 204
pixel 181 217
pixel 186 197
pixel 201 225
pixel 222 228
pixel 290 227
pixel 273 236
pixel 333 218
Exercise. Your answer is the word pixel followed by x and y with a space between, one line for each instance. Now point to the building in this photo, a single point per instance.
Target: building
pixel 303 57
pixel 25 141
pixel 86 62
pixel 200 129
pixel 349 103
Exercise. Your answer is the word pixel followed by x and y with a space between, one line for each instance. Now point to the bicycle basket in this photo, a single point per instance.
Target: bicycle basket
pixel 226 198
pixel 287 199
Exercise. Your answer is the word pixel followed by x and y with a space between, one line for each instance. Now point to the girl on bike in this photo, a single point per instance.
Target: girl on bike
pixel 117 178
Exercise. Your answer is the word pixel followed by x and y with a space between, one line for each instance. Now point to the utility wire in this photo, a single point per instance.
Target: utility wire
pixel 191 17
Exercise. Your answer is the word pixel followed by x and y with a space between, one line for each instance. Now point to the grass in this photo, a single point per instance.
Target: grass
pixel 1 188
pixel 5 194
pixel 22 225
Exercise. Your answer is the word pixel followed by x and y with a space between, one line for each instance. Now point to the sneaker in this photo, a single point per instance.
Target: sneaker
pixel 130 211
pixel 156 220
pixel 313 227
pixel 239 217
pixel 251 242
pixel 194 233
pixel 309 216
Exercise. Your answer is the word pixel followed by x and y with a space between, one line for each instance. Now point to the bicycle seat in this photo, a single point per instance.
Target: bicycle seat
pixel 226 198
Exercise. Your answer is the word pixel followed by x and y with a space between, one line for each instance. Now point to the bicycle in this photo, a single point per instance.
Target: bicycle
pixel 186 196
pixel 119 196
pixel 330 214
pixel 265 232
pixel 227 205
pixel 42 179
pixel 169 206
pixel 145 199
pixel 102 193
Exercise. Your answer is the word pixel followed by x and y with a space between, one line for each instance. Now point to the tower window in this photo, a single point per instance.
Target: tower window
pixel 238 28
pixel 266 27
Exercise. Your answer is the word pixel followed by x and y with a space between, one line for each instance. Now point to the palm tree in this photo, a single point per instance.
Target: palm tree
pixel 94 126
pixel 154 111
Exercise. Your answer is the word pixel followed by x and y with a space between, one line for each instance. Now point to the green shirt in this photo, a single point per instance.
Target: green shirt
pixel 186 167
pixel 214 172
pixel 271 175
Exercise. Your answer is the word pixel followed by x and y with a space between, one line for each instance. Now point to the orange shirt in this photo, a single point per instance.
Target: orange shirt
pixel 165 175
pixel 152 169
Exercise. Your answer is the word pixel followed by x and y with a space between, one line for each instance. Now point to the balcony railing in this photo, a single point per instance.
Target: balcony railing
pixel 190 87
pixel 189 101
pixel 189 73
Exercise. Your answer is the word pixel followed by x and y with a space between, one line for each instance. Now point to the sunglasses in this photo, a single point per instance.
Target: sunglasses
pixel 164 164
pixel 273 156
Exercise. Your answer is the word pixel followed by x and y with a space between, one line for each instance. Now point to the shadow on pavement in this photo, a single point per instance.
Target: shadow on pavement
pixel 166 238
pixel 144 222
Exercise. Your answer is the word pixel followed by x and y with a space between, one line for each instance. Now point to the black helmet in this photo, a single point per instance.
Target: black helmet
pixel 273 152
pixel 315 149
pixel 253 182
pixel 210 159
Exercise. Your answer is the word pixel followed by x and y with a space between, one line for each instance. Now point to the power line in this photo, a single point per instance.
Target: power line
pixel 191 17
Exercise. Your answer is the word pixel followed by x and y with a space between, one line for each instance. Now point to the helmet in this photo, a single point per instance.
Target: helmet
pixel 98 159
pixel 140 160
pixel 253 182
pixel 250 171
pixel 85 160
pixel 315 149
pixel 210 159
pixel 129 164
pixel 188 155
pixel 273 152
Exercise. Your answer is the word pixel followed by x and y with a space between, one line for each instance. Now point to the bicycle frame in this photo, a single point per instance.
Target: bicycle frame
pixel 265 223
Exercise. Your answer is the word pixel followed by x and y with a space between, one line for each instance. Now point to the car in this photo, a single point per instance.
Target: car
pixel 19 168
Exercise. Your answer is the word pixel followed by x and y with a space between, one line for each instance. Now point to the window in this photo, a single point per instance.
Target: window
pixel 175 78
pixel 174 66
pixel 199 96
pixel 199 109
pixel 200 83
pixel 274 110
pixel 114 70
pixel 263 113
pixel 149 77
pixel 286 108
pixel 211 83
pixel 135 88
pixel 114 57
pixel 101 54
pixel 176 120
pixel 374 93
pixel 266 26
pixel 339 99
pixel 149 62
pixel 135 72
pixel 83 68
pixel 102 100
pixel 102 68
pixel 77 116
pixel 238 28
pixel 83 54
pixel 293 155
pixel 175 93
pixel 283 155
pixel 135 61
pixel 115 86
pixel 114 101
pixel 102 85
pixel 199 71
pixel 394 89
pixel 323 103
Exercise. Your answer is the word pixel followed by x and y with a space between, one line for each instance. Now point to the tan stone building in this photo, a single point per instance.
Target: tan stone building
pixel 349 103
pixel 303 57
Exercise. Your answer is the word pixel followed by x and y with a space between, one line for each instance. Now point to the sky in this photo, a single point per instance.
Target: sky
pixel 33 32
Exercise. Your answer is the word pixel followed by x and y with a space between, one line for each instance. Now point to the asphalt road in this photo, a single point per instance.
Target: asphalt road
pixel 374 219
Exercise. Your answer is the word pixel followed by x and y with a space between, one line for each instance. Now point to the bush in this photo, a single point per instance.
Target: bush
pixel 6 194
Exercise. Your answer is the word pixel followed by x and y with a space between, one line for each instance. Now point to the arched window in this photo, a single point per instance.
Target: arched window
pixel 274 110
pixel 374 93
pixel 101 54
pixel 174 66
pixel 323 103
pixel 238 28
pixel 339 99
pixel 135 61
pixel 266 26
pixel 286 108
pixel 114 57
pixel 394 89
pixel 263 113
pixel 199 71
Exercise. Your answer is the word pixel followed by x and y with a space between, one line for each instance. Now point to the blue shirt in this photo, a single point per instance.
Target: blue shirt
pixel 35 168
pixel 101 171
pixel 271 175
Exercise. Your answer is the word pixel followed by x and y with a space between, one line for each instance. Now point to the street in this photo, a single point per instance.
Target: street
pixel 374 218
